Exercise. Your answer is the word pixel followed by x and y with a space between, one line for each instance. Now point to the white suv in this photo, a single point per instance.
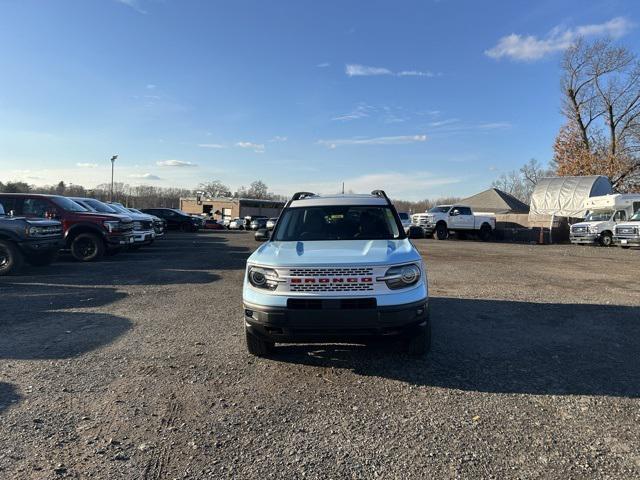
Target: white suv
pixel 336 268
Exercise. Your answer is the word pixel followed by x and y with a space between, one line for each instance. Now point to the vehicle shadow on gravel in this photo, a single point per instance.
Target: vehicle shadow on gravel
pixel 507 347
pixel 35 325
pixel 177 259
pixel 8 396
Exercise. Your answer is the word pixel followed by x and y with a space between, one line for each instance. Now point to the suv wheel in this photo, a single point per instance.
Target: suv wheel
pixel 442 232
pixel 419 343
pixel 42 259
pixel 87 247
pixel 256 346
pixel 10 258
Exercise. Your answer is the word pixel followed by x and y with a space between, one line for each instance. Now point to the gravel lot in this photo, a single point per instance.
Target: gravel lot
pixel 135 368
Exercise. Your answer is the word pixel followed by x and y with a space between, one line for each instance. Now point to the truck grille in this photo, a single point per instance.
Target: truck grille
pixel 579 230
pixel 142 225
pixel 349 279
pixel 126 227
pixel 626 231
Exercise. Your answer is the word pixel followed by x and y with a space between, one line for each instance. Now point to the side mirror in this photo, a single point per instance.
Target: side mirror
pixel 262 235
pixel 453 213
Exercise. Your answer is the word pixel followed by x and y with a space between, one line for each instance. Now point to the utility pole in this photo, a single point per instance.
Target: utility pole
pixel 113 161
pixel 343 188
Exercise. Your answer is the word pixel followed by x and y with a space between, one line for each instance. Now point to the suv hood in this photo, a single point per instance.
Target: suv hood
pixel 590 224
pixel 335 252
pixel 108 216
pixel 43 223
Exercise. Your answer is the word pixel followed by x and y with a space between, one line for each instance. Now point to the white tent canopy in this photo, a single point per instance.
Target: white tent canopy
pixel 565 196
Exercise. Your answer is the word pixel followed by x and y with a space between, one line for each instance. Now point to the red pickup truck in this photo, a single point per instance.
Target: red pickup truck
pixel 87 235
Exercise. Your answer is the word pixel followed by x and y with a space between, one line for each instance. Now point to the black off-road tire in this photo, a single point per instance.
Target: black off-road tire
pixel 11 259
pixel 606 239
pixel 257 346
pixel 42 259
pixel 87 247
pixel 418 343
pixel 485 233
pixel 442 232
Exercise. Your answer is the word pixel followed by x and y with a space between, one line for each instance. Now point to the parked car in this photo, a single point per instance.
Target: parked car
pixel 226 221
pixel 143 231
pixel 604 213
pixel 237 224
pixel 159 225
pixel 444 219
pixel 176 219
pixel 627 234
pixel 405 218
pixel 211 224
pixel 258 223
pixel 336 268
pixel 88 235
pixel 271 223
pixel 35 241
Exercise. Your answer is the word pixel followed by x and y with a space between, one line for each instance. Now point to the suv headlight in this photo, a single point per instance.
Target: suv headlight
pixel 402 276
pixel 34 231
pixel 265 278
pixel 593 229
pixel 111 225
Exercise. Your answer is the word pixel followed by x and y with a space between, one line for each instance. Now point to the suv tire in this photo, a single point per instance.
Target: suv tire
pixel 42 259
pixel 256 346
pixel 87 247
pixel 419 343
pixel 442 232
pixel 11 259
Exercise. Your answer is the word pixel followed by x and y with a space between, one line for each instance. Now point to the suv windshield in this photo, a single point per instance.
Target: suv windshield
pixel 347 222
pixel 98 206
pixel 600 216
pixel 403 215
pixel 439 210
pixel 68 204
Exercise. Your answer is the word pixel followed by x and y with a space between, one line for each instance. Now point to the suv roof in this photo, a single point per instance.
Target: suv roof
pixel 310 199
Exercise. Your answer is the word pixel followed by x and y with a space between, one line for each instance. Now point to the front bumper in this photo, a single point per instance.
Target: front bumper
pixel 38 245
pixel 119 240
pixel 627 242
pixel 337 319
pixel 589 238
pixel 143 237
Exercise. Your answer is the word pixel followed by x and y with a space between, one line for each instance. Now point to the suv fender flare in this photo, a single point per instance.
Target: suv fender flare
pixel 9 236
pixel 79 228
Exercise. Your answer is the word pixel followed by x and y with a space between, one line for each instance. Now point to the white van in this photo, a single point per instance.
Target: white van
pixel 603 214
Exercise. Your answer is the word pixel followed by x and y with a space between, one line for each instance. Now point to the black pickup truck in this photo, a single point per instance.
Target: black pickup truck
pixel 36 241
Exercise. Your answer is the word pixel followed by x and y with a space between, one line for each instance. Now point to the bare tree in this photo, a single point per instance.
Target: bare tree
pixel 215 189
pixel 601 101
pixel 521 183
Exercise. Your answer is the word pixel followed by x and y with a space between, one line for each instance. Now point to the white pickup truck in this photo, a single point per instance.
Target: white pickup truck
pixel 444 219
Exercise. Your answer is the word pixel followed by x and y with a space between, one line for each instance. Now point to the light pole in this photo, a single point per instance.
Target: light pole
pixel 113 161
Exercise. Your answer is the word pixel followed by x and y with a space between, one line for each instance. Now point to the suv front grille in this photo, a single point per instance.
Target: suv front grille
pixel 331 279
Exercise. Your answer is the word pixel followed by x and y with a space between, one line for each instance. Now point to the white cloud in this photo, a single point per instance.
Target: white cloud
pixel 394 140
pixel 530 47
pixel 361 111
pixel 145 176
pixel 354 70
pixel 175 163
pixel 86 165
pixel 410 186
pixel 278 138
pixel 151 86
pixel 442 123
pixel 415 73
pixel 256 147
pixel 323 65
pixel 494 126
pixel 134 4
pixel 211 145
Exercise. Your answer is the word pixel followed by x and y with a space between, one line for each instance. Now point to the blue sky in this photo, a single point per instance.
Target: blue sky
pixel 421 98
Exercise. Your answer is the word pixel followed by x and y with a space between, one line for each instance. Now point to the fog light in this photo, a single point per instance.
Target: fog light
pixel 248 313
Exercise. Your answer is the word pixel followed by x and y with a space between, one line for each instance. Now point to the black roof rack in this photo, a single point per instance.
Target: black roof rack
pixel 381 194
